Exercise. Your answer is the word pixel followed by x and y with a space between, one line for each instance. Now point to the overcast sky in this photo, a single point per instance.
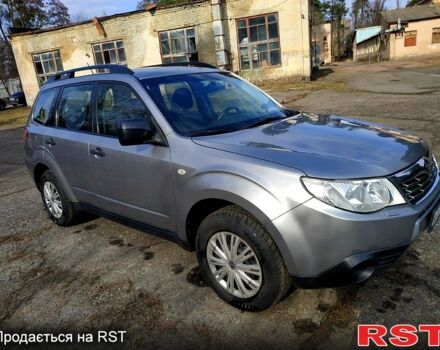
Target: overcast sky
pixel 90 8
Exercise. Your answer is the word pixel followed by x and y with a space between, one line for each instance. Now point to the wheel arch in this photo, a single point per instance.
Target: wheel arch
pixel 205 206
pixel 50 164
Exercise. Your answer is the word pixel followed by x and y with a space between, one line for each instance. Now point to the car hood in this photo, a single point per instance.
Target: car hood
pixel 325 146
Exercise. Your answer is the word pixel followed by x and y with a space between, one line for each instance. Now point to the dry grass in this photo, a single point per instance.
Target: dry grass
pixel 12 117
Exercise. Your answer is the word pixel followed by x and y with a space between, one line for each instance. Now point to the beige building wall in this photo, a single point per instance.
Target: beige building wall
pixel 140 33
pixel 294 31
pixel 366 50
pixel 424 45
pixel 75 45
pixel 197 15
pixel 321 34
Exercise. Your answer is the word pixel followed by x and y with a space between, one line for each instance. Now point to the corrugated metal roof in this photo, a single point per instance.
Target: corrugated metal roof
pixel 363 34
pixel 413 13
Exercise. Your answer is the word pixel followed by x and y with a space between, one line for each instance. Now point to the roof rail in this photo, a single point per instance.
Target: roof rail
pixel 185 64
pixel 67 74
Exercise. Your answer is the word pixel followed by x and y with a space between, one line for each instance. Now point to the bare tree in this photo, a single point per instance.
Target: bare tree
pixel 79 17
pixel 376 7
pixel 359 10
pixel 8 69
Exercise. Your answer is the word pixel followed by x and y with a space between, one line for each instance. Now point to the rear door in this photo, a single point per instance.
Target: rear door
pixel 68 140
pixel 131 181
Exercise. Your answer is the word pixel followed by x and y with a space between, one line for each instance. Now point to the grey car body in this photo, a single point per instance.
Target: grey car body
pixel 169 188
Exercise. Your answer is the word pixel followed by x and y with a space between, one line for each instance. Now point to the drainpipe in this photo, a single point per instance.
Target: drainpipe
pixel 221 48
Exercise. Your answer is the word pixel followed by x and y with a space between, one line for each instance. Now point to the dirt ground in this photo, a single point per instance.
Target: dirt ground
pixel 99 275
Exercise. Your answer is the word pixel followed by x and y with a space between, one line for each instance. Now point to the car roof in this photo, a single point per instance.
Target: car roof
pixel 116 72
pixel 164 71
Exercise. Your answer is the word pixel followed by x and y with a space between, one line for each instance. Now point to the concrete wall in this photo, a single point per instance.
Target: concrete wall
pixel 139 31
pixel 424 44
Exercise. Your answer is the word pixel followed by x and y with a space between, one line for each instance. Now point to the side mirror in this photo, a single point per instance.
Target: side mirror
pixel 135 131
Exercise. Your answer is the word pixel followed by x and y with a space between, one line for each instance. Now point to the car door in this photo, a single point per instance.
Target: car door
pixel 67 142
pixel 131 181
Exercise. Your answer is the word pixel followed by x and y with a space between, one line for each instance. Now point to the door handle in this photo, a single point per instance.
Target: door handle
pixel 51 142
pixel 97 152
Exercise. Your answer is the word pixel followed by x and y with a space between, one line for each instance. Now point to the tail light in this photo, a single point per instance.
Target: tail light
pixel 25 135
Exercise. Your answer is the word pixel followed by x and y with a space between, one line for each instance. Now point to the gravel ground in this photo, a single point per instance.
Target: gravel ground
pixel 99 275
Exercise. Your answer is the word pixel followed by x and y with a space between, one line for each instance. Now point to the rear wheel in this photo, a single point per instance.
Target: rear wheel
pixel 240 261
pixel 57 204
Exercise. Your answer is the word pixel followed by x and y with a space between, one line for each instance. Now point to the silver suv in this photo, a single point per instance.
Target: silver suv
pixel 265 195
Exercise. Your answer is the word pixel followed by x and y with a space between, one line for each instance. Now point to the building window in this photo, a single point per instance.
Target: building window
pixel 178 45
pixel 111 52
pixel 411 38
pixel 259 42
pixel 47 64
pixel 436 35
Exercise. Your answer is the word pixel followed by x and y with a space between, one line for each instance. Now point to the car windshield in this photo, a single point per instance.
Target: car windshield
pixel 211 103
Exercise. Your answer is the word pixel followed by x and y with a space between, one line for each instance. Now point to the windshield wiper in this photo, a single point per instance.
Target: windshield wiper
pixel 264 121
pixel 210 132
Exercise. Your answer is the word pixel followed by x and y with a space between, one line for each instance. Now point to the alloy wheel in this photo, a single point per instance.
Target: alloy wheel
pixel 53 199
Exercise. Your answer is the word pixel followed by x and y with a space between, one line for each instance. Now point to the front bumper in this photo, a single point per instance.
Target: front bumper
pixel 324 246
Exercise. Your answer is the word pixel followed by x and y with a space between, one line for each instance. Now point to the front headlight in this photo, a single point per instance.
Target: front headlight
pixel 362 196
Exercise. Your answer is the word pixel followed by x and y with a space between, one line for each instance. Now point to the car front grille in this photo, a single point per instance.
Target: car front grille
pixel 417 180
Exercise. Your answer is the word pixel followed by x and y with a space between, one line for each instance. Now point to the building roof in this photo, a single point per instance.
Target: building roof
pixel 363 34
pixel 414 13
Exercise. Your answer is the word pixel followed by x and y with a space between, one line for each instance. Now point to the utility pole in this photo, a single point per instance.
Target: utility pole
pixel 332 28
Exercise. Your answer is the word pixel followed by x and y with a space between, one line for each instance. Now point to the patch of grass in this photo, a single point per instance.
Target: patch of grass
pixel 11 117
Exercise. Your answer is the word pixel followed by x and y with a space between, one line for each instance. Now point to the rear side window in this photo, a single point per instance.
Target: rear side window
pixel 75 108
pixel 44 106
pixel 117 101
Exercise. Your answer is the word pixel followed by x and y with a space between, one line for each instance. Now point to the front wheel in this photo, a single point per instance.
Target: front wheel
pixel 240 261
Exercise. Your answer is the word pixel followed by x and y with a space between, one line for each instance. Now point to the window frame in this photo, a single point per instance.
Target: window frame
pixel 54 59
pixel 133 91
pixel 171 55
pixel 92 111
pixel 404 38
pixel 256 43
pixel 93 45
pixel 437 34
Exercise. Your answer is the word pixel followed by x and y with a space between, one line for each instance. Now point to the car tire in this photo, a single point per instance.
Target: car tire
pixel 55 200
pixel 2 105
pixel 264 277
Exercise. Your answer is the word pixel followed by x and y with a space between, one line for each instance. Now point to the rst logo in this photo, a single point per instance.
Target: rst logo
pixel 401 335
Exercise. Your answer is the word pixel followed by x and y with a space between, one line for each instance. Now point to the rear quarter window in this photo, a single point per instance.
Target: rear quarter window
pixel 44 106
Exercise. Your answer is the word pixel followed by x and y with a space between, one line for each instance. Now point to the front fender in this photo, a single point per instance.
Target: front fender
pixel 233 188
pixel 259 200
